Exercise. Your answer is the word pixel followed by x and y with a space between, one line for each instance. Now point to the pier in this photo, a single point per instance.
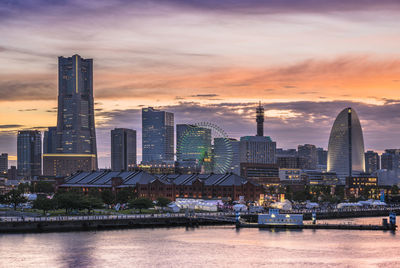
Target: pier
pixel 319 226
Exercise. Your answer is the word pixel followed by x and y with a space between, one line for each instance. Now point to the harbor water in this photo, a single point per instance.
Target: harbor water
pixel 211 246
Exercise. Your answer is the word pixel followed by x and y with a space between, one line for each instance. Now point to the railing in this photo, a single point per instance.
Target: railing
pixel 174 215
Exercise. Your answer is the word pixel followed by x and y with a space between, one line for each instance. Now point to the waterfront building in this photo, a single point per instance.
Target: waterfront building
pixel 211 186
pixel 372 162
pixel 316 177
pixel 355 185
pixel 29 153
pixel 123 149
pixel 257 149
pixel 157 136
pixel 290 174
pixel 346 145
pixel 260 120
pixel 309 153
pixel 275 218
pixel 50 141
pixel 3 163
pixel 76 137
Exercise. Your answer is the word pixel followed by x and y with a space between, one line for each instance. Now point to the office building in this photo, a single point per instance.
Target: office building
pixel 291 162
pixel 263 174
pixel 157 136
pixel 3 163
pixel 50 141
pixel 12 173
pixel 346 145
pixel 123 149
pixel 76 135
pixel 257 149
pixel 309 153
pixel 372 162
pixel 29 153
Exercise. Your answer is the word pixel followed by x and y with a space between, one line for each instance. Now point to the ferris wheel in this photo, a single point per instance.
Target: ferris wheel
pixel 208 144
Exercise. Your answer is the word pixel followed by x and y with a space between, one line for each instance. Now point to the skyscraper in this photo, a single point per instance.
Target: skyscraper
pixel 322 156
pixel 391 159
pixel 309 153
pixel 260 120
pixel 76 136
pixel 157 136
pixel 29 153
pixel 3 163
pixel 50 140
pixel 346 145
pixel 372 161
pixel 123 149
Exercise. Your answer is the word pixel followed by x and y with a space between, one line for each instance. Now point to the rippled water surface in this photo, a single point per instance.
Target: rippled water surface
pixel 203 247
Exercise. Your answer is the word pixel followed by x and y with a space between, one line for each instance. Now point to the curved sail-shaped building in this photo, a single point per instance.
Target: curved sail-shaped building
pixel 346 145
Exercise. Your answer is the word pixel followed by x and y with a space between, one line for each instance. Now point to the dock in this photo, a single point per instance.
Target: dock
pixel 319 226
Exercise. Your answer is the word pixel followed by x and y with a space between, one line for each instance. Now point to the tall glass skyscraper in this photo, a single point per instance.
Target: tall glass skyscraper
pixel 346 145
pixel 76 136
pixel 50 140
pixel 29 153
pixel 123 149
pixel 157 136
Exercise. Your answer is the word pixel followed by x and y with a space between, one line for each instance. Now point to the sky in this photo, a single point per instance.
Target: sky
pixel 207 61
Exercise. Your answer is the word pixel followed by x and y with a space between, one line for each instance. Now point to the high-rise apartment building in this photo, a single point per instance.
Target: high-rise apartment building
pixel 372 162
pixel 123 149
pixel 309 153
pixel 390 159
pixel 322 157
pixel 3 163
pixel 157 136
pixel 29 153
pixel 76 136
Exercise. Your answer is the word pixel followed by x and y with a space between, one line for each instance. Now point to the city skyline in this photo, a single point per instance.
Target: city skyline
pixel 209 68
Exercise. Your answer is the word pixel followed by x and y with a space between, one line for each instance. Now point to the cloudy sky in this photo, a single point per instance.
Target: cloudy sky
pixel 209 61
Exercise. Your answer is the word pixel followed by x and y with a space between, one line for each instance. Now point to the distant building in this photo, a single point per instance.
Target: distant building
pixel 322 158
pixel 208 186
pixel 62 165
pixel 372 162
pixel 316 177
pixel 3 163
pixel 288 152
pixel 50 141
pixel 257 149
pixel 235 164
pixel 263 174
pixel 75 138
pixel 157 136
pixel 291 162
pixel 123 149
pixel 29 153
pixel 75 122
pixel 346 145
pixel 309 153
pixel 390 159
pixel 260 120
pixel 356 184
pixel 12 173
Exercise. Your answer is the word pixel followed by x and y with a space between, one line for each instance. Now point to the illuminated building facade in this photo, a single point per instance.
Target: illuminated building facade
pixel 346 145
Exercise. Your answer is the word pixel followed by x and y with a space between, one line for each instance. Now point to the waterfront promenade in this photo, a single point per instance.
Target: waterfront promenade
pixel 89 222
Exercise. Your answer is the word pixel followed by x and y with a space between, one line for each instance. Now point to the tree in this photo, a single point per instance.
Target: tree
pixel 124 195
pixel 163 202
pixel 42 187
pixel 91 202
pixel 140 203
pixel 394 190
pixel 44 203
pixel 108 197
pixel 69 201
pixel 14 198
pixel 23 188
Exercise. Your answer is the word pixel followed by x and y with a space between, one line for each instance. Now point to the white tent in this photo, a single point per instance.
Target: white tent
pixel 285 205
